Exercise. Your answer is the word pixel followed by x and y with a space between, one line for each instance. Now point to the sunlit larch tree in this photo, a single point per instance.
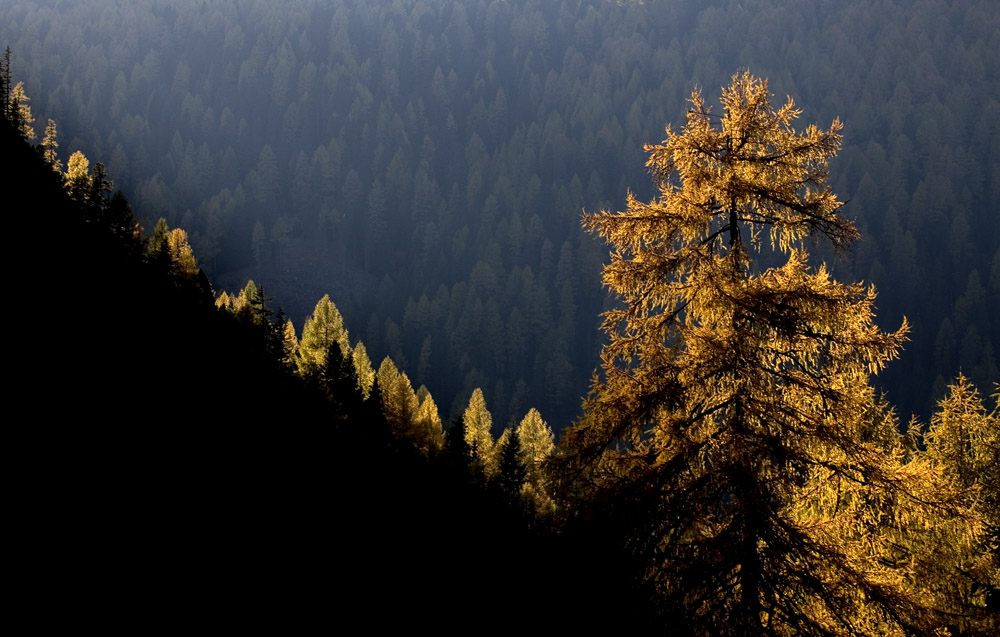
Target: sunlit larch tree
pixel 181 254
pixel 963 444
pixel 324 326
pixel 49 146
pixel 537 444
pixel 427 426
pixel 21 112
pixel 401 406
pixel 363 369
pixel 290 345
pixel 77 176
pixel 478 425
pixel 725 430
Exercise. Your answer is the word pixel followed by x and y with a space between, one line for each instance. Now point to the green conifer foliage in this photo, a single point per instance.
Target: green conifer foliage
pixel 341 384
pixel 511 471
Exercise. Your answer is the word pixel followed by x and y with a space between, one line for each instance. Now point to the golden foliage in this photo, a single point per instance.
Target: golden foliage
pixel 735 409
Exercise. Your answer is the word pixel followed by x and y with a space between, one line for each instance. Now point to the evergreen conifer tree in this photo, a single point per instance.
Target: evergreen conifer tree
pixel 511 472
pixel 158 248
pixel 457 449
pixel 342 384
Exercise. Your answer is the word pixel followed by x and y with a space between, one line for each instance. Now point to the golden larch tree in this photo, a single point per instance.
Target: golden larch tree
pixel 727 430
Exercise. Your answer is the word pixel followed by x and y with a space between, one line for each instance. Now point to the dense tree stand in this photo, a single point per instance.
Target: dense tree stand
pixel 730 431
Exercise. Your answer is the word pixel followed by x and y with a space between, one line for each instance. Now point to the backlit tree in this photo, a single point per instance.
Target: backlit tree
pixel 324 326
pixel 478 430
pixel 726 429
pixel 49 146
pixel 963 444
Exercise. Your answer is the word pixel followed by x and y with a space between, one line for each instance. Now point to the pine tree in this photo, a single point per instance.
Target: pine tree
pixel 725 431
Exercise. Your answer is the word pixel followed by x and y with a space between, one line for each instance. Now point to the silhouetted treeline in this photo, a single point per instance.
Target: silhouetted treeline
pixel 170 469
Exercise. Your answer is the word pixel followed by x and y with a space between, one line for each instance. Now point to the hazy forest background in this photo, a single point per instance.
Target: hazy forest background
pixel 426 163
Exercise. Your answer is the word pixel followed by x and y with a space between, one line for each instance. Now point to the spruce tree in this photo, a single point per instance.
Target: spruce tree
pixel 511 472
pixel 341 384
pixel 725 432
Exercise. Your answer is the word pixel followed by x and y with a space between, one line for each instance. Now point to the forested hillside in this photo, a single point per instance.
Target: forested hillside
pixel 190 452
pixel 426 163
pixel 172 469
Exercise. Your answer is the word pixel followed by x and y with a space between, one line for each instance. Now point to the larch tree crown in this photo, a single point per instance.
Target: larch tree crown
pixel 729 427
